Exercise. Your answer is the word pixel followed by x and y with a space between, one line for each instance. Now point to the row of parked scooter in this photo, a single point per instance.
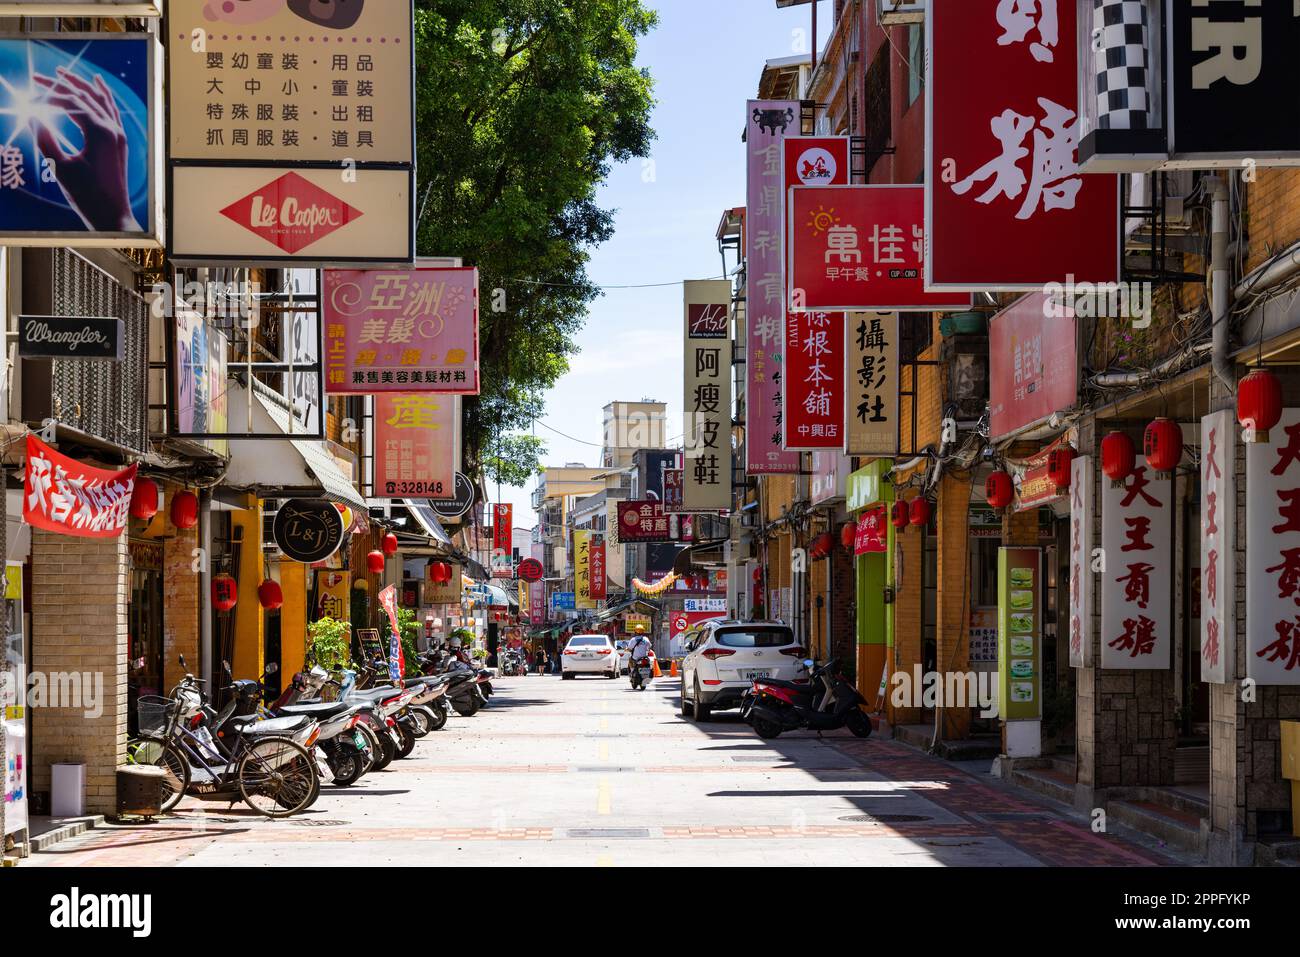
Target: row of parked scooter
pixel 321 729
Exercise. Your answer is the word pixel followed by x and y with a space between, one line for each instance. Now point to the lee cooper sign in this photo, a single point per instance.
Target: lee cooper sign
pixel 58 337
pixel 1006 207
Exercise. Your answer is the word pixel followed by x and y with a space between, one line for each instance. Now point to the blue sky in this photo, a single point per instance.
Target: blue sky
pixel 706 57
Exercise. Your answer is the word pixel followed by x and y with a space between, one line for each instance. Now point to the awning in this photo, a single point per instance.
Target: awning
pixel 427 519
pixel 614 611
pixel 701 554
pixel 296 468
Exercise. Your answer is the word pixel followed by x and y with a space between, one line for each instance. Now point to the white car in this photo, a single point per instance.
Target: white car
pixel 589 655
pixel 724 657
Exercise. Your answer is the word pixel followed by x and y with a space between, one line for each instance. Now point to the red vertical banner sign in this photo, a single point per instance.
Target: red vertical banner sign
pixel 767 123
pixel 596 569
pixel 1006 205
pixel 1137 543
pixel 396 658
pixel 814 381
pixel 1081 574
pixel 502 525
pixel 1218 518
pixel 1273 555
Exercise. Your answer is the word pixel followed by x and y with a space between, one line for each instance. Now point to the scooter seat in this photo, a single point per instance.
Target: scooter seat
pixel 326 709
pixel 252 726
pixel 781 683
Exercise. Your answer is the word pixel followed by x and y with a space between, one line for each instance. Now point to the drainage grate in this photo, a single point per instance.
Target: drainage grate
pixel 1018 817
pixel 305 822
pixel 608 833
pixel 603 769
pixel 760 759
pixel 885 818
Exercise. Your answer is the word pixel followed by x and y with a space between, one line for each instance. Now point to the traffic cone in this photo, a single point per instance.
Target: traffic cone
pixel 657 673
pixel 672 669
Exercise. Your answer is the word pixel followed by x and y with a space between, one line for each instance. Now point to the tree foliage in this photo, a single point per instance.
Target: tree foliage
pixel 522 107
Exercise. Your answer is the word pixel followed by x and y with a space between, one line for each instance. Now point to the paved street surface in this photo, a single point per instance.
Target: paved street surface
pixel 589 772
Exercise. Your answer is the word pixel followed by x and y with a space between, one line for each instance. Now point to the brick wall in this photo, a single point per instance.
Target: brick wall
pixel 952 608
pixel 180 600
pixel 907 614
pixel 80 591
pixel 843 645
pixel 1273 213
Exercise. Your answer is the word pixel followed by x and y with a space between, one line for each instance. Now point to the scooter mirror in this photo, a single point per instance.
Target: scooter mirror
pixel 809 664
pixel 272 668
pixel 225 666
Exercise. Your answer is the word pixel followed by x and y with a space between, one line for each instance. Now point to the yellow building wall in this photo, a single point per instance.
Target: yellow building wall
pixel 293 618
pixel 250 646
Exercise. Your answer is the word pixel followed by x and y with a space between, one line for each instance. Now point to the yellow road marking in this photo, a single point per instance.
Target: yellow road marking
pixel 604 724
pixel 604 750
pixel 603 797
pixel 604 861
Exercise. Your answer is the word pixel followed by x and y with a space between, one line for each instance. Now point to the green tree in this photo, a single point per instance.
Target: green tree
pixel 522 107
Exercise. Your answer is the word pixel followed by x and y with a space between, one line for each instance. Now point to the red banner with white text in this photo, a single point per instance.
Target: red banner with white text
pixel 62 495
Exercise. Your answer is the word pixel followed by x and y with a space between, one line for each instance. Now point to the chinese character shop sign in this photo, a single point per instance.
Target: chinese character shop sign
pixel 1273 555
pixel 582 568
pixel 596 576
pixel 814 380
pixel 860 247
pixel 767 123
pixel 1218 518
pixel 1136 540
pixel 416 438
pixel 707 394
pixel 261 88
pixel 62 495
pixel 401 330
pixel 1033 364
pixel 871 413
pixel 1006 206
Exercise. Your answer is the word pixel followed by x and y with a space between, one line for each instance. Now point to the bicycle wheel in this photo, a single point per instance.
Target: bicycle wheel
pixel 277 777
pixel 178 775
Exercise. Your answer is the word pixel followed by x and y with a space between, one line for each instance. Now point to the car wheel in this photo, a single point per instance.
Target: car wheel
pixel 702 711
pixel 687 710
pixel 566 675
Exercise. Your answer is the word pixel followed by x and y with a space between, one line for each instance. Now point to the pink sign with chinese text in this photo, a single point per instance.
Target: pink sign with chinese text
pixel 1006 206
pixel 1033 364
pixel 401 330
pixel 416 443
pixel 814 380
pixel 1218 565
pixel 1081 574
pixel 767 123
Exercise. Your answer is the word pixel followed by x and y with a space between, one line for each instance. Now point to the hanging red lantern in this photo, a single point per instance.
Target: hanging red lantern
pixel 375 562
pixel 439 573
pixel 1162 444
pixel 270 595
pixel 1117 457
pixel 848 534
pixel 1259 404
pixel 822 545
pixel 900 515
pixel 146 499
pixel 225 593
pixel 919 511
pixel 389 544
pixel 999 489
pixel 185 509
pixel 1059 462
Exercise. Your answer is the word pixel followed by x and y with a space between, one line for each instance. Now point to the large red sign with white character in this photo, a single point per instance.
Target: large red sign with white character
pixel 860 248
pixel 1006 206
pixel 1273 555
pixel 814 380
pixel 62 495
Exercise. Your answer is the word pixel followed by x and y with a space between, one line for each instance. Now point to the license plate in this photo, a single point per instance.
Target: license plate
pixel 360 740
pixel 755 674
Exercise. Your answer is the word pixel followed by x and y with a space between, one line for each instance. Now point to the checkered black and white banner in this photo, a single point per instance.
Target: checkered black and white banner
pixel 1124 66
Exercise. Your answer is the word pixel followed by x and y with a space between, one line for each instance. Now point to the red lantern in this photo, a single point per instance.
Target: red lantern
pixel 270 595
pixel 1059 463
pixel 185 509
pixel 900 515
pixel 375 562
pixel 389 544
pixel 1162 444
pixel 848 534
pixel 999 490
pixel 1259 404
pixel 440 573
pixel 224 593
pixel 1117 457
pixel 146 499
pixel 919 511
pixel 822 545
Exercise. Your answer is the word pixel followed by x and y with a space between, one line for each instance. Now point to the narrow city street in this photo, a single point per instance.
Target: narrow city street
pixel 590 772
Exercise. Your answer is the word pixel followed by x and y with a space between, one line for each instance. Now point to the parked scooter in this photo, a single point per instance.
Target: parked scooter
pixel 826 702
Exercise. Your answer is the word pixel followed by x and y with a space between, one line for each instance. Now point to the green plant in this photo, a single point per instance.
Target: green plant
pixel 329 644
pixel 408 629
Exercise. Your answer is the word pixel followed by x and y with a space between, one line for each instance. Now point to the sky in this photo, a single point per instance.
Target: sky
pixel 706 59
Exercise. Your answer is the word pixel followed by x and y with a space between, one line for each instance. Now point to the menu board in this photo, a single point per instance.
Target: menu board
pixel 1020 635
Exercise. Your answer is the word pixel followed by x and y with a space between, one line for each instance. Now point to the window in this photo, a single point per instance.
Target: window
pixel 915 61
pixel 757 638
pixel 877 106
pixel 915 333
pixel 588 641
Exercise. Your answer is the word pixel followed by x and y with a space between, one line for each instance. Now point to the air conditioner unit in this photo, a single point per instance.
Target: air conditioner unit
pixel 890 12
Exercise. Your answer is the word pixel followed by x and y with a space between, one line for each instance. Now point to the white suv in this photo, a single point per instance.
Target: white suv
pixel 589 654
pixel 724 657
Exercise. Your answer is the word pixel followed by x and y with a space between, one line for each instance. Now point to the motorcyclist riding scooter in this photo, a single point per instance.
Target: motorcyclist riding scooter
pixel 638 664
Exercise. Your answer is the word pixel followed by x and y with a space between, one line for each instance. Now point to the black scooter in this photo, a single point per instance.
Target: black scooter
pixel 826 702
